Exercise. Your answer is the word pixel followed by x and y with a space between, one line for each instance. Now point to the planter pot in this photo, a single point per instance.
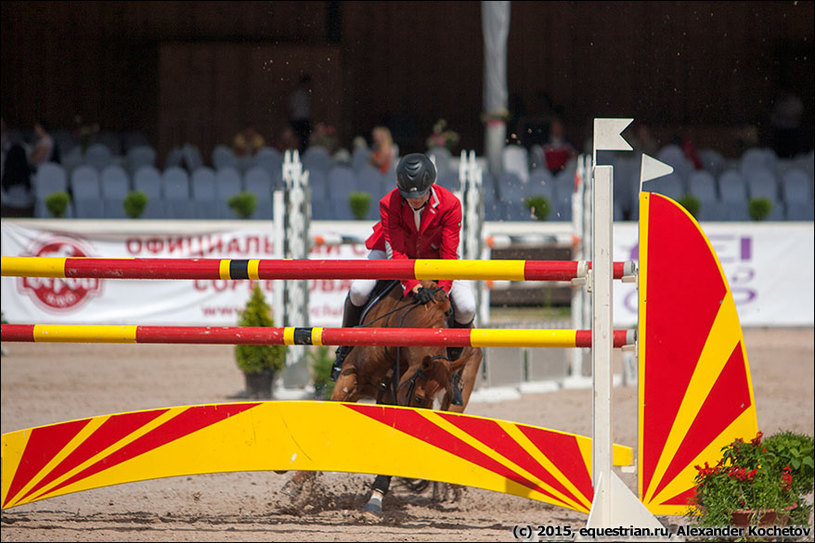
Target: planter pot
pixel 768 517
pixel 259 385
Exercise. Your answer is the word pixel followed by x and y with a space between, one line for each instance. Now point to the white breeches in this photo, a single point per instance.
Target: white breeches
pixel 461 293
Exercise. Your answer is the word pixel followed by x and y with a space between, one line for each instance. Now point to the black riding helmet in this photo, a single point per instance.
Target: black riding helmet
pixel 415 174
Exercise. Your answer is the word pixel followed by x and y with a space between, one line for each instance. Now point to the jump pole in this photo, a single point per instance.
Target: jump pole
pixel 256 335
pixel 279 269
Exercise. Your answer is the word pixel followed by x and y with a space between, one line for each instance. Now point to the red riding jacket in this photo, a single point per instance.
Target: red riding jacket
pixel 437 236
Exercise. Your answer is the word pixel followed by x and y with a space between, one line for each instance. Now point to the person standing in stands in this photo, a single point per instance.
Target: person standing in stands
pixel 300 111
pixel 418 219
pixel 383 151
pixel 43 150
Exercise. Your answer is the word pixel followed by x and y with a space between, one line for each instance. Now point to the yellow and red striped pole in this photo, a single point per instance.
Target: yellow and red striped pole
pixel 213 268
pixel 258 335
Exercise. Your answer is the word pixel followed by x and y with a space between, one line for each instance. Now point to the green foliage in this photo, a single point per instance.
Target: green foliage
pixel 321 362
pixel 258 358
pixel 360 203
pixel 759 208
pixel 243 204
pixel 540 206
pixel 691 204
pixel 797 451
pixel 57 203
pixel 758 476
pixel 135 203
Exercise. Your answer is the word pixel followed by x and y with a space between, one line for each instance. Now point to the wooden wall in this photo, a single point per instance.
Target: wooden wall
pixel 195 69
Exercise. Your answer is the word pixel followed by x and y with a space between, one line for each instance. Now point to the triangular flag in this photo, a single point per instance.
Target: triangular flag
pixel 607 134
pixel 652 168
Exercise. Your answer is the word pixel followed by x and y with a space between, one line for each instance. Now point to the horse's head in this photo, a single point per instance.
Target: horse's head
pixel 428 385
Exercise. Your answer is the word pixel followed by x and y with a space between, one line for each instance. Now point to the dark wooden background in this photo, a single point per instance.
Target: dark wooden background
pixel 200 71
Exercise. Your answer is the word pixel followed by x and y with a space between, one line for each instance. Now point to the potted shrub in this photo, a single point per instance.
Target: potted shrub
pixel 360 203
pixel 57 203
pixel 759 208
pixel 135 203
pixel 691 204
pixel 243 204
pixel 540 206
pixel 259 363
pixel 758 482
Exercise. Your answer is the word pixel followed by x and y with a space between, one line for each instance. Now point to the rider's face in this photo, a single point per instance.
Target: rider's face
pixel 416 203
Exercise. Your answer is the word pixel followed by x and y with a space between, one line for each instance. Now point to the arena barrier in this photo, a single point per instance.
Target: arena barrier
pixel 695 396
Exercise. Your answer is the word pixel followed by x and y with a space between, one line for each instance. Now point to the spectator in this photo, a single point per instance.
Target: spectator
pixel 383 150
pixel 18 197
pixel 43 150
pixel 644 141
pixel 785 123
pixel 286 140
pixel 248 141
pixel 300 111
pixel 689 150
pixel 558 151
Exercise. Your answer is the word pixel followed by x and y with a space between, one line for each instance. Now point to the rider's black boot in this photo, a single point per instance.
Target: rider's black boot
pixel 350 318
pixel 454 352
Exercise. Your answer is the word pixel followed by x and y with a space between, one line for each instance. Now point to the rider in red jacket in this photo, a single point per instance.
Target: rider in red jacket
pixel 418 219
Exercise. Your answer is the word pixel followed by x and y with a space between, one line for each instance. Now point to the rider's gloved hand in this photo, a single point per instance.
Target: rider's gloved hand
pixel 423 295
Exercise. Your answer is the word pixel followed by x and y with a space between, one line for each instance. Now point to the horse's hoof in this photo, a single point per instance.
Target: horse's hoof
pixel 373 509
pixel 374 506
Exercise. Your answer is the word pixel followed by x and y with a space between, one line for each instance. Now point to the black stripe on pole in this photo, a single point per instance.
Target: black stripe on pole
pixel 302 336
pixel 239 269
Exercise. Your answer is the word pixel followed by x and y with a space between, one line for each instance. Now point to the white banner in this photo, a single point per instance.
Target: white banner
pixel 155 302
pixel 769 268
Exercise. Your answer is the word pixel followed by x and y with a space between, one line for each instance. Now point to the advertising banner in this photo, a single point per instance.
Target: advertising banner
pixel 156 302
pixel 769 268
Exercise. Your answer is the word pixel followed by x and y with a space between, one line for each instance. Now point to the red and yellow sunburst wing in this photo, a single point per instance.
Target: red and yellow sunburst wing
pixel 498 455
pixel 695 392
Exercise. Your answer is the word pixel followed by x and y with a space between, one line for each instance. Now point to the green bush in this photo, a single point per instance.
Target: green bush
pixel 691 204
pixel 360 203
pixel 259 358
pixel 540 206
pixel 321 362
pixel 243 204
pixel 57 203
pixel 759 208
pixel 135 204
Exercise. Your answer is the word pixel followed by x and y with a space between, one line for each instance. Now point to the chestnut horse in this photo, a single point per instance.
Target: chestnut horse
pixel 423 377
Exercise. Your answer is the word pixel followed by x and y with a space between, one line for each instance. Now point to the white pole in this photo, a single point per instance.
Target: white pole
pixel 602 344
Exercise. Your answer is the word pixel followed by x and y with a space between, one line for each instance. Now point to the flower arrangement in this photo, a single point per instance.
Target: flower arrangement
pixel 442 137
pixel 760 478
pixel 325 135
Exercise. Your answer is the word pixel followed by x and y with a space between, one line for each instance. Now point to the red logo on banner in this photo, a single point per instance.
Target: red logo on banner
pixel 57 293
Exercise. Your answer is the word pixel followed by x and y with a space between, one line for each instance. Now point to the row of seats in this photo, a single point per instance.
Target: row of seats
pixel 724 196
pixel 99 194
pixel 172 193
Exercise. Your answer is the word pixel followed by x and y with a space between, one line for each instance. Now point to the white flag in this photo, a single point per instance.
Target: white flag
pixel 607 135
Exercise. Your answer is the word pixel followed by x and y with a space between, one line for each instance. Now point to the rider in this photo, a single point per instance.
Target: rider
pixel 418 219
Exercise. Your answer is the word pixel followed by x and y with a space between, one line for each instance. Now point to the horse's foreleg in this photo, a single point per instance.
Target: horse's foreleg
pixel 380 487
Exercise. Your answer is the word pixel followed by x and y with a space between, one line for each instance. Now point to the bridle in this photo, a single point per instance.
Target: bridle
pixel 395 372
